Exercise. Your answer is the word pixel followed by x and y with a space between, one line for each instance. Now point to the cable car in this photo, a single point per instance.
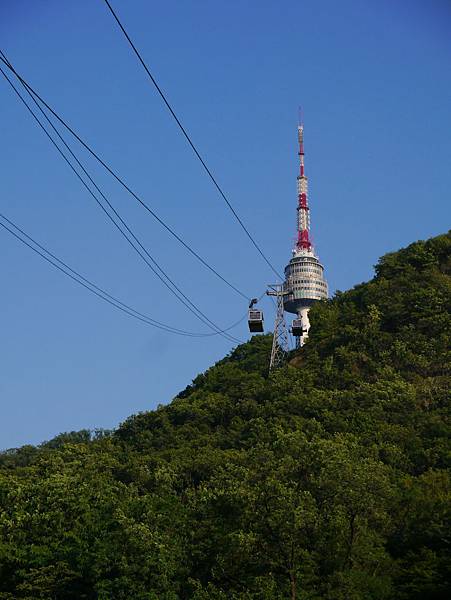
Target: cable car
pixel 297 329
pixel 255 318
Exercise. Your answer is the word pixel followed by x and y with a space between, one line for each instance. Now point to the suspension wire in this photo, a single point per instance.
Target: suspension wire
pixel 190 142
pixel 163 277
pixel 33 94
pixel 98 291
pixel 107 297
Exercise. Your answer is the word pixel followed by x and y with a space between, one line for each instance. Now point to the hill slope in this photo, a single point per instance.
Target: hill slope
pixel 328 480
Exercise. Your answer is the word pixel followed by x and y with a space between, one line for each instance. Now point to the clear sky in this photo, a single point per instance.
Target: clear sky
pixel 374 81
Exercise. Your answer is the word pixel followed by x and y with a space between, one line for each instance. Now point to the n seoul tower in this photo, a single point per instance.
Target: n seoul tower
pixel 304 275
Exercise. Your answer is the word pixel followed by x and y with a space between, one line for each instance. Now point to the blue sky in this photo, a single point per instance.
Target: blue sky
pixel 374 81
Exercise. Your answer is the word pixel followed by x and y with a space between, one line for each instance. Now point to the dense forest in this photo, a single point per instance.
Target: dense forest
pixel 328 479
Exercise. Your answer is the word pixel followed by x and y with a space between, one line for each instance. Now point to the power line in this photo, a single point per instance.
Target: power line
pixel 164 278
pixel 190 142
pixel 33 93
pixel 63 267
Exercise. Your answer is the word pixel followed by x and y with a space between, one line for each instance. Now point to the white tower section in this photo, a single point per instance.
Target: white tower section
pixel 304 275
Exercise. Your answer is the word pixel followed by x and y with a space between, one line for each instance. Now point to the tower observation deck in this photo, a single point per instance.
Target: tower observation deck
pixel 304 275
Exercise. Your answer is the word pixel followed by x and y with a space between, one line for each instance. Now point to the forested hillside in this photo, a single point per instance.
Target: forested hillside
pixel 327 480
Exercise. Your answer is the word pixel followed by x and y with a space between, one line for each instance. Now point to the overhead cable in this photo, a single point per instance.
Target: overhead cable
pixel 190 142
pixel 155 267
pixel 63 267
pixel 114 174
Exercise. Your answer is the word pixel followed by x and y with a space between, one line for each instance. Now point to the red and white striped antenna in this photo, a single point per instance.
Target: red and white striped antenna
pixel 303 234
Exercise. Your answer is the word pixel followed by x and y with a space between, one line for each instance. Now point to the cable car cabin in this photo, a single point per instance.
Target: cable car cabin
pixel 255 320
pixel 297 329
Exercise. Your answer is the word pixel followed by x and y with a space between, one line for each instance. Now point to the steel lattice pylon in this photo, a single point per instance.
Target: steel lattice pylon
pixel 280 344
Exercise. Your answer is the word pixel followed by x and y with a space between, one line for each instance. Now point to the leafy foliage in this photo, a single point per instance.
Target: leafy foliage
pixel 328 480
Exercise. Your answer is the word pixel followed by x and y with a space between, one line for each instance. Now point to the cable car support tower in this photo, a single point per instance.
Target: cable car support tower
pixel 280 345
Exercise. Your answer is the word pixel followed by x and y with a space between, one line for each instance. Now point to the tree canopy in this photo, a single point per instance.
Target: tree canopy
pixel 327 480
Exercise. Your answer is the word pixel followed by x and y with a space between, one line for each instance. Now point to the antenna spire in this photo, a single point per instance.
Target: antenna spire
pixel 303 237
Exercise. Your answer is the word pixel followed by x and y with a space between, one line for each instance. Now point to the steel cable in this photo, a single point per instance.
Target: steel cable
pixel 190 142
pixel 163 277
